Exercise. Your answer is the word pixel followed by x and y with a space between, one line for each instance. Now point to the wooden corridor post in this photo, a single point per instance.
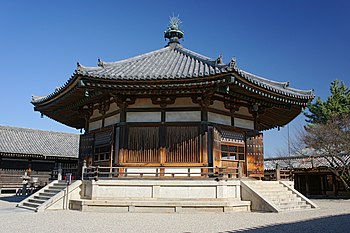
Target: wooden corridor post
pixel 278 172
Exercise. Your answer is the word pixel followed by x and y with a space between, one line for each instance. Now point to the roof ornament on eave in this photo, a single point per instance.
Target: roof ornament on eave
pixel 79 67
pixel 100 63
pixel 233 63
pixel 219 60
pixel 174 32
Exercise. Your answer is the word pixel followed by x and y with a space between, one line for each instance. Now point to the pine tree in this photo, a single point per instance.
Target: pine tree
pixel 336 105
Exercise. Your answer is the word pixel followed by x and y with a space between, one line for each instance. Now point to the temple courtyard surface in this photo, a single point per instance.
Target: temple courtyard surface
pixel 331 216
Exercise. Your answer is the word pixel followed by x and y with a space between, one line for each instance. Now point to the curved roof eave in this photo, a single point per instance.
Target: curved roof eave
pixel 68 85
pixel 281 88
pixel 172 63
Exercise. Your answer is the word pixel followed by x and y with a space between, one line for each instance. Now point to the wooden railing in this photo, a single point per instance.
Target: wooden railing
pixel 98 172
pixel 278 174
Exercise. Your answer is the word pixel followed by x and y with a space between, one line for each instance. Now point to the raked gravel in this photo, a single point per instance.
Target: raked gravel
pixel 331 216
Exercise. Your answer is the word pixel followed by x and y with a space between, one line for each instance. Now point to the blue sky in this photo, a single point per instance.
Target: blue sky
pixel 304 42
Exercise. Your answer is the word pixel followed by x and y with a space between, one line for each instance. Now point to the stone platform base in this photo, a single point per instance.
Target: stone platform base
pixel 161 205
pixel 155 195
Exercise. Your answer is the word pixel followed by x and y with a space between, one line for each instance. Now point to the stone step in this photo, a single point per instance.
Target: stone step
pixel 28 208
pixel 279 199
pixel 273 195
pixel 293 203
pixel 274 189
pixel 46 194
pixel 264 184
pixel 276 193
pixel 160 205
pixel 37 201
pixel 291 208
pixel 59 185
pixel 44 198
pixel 52 191
pixel 56 188
pixel 279 195
pixel 32 205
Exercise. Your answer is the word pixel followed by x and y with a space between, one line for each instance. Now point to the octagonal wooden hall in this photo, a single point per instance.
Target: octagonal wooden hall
pixel 170 108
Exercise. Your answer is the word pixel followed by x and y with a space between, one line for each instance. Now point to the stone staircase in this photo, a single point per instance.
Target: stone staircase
pixel 44 197
pixel 274 196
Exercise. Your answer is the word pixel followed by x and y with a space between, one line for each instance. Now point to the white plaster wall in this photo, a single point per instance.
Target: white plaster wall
pixel 243 123
pixel 182 170
pixel 145 171
pixel 112 120
pixel 95 114
pixel 183 116
pixel 143 117
pixel 95 125
pixel 219 119
pixel 244 111
pixel 113 107
pixel 183 102
pixel 143 103
pixel 219 105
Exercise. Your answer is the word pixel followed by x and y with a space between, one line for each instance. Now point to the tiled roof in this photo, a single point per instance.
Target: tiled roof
pixel 23 141
pixel 231 135
pixel 173 62
pixel 300 161
pixel 277 87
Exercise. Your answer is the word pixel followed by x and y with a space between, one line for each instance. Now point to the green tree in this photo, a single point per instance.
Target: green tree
pixel 328 132
pixel 337 104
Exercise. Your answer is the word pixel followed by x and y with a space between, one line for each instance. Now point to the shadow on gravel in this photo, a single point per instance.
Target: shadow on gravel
pixel 13 198
pixel 338 223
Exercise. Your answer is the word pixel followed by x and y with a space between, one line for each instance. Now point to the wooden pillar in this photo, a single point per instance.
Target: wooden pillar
pixel 204 144
pixel 278 172
pixel 307 191
pixel 324 185
pixel 246 155
pixel 255 115
pixel 162 140
pixel 116 145
pixel 122 133
pixel 29 169
pixel 204 114
pixel 334 184
pixel 206 134
pixel 123 102
pixel 210 146
pixel 206 141
pixel 111 154
pixel 0 161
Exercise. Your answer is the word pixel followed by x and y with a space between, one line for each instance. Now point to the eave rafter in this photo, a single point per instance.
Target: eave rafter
pixel 265 93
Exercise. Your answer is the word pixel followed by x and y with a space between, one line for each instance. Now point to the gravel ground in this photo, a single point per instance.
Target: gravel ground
pixel 332 216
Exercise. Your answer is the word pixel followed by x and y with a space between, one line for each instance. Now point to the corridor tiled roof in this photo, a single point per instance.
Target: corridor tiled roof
pixel 22 141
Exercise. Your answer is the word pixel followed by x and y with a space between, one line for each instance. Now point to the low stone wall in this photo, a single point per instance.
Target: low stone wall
pixel 169 189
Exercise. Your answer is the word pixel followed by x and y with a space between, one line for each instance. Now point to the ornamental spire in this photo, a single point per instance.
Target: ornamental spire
pixel 174 32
